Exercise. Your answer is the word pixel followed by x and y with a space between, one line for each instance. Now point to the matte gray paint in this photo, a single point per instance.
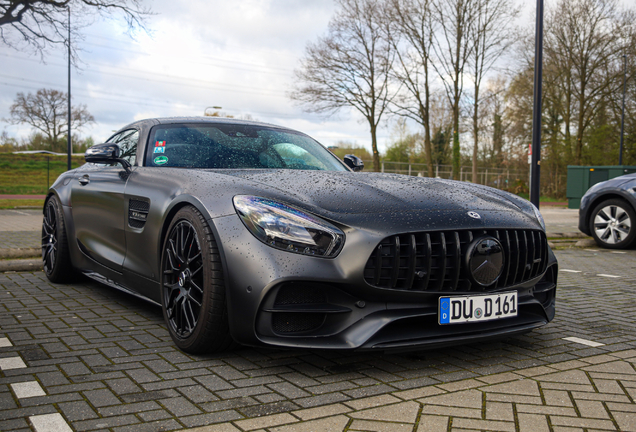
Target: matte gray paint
pixel 367 206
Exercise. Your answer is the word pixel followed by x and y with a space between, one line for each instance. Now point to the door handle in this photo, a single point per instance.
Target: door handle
pixel 84 180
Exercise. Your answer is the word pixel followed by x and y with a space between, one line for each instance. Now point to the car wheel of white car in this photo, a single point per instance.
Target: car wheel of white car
pixel 612 224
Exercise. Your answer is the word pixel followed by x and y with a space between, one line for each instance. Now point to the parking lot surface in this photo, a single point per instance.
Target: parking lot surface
pixel 85 357
pixel 20 228
pixel 560 219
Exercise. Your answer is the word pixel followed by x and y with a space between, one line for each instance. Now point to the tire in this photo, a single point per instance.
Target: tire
pixel 613 224
pixel 192 286
pixel 56 258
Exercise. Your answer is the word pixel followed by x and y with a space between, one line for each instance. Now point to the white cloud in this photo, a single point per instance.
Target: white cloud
pixel 237 55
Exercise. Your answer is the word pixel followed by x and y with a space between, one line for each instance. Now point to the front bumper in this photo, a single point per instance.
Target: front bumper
pixel 282 299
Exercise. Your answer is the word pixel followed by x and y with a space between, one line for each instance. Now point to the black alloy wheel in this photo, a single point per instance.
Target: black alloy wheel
pixel 56 258
pixel 193 293
pixel 613 224
pixel 49 238
pixel 183 279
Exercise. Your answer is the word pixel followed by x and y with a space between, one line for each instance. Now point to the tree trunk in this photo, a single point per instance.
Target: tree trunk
pixel 428 148
pixel 456 158
pixel 457 93
pixel 568 120
pixel 374 146
pixel 456 164
pixel 580 130
pixel 475 132
pixel 497 139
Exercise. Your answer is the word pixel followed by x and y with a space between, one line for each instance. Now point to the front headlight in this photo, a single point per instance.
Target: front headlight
pixel 287 228
pixel 538 215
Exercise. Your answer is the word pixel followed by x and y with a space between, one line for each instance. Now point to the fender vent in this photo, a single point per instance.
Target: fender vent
pixel 137 213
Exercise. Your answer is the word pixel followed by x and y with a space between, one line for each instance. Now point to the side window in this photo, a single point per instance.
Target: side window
pixel 128 141
pixel 114 138
pixel 296 157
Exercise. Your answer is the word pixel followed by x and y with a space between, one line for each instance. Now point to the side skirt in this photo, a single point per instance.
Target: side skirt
pixel 104 280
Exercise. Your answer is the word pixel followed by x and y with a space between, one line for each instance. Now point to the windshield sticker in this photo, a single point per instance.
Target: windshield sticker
pixel 160 144
pixel 161 160
pixel 160 150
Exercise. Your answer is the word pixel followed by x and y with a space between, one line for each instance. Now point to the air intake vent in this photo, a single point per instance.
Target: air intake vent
pixel 294 294
pixel 137 213
pixel 296 322
pixel 434 261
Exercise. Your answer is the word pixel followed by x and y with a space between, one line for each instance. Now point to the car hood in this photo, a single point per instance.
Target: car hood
pixel 344 192
pixel 388 201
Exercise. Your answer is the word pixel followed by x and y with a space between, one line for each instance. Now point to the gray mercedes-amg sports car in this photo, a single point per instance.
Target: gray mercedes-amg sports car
pixel 254 233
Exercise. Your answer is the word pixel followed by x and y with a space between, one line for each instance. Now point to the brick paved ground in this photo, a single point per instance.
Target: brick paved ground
pixel 96 359
pixel 20 220
pixel 20 228
pixel 19 239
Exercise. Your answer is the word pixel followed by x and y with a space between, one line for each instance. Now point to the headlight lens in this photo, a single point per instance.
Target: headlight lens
pixel 538 215
pixel 287 228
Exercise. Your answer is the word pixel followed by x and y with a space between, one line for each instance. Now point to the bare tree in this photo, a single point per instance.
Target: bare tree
pixel 410 28
pixel 46 111
pixel 349 67
pixel 453 47
pixel 585 41
pixel 41 24
pixel 492 35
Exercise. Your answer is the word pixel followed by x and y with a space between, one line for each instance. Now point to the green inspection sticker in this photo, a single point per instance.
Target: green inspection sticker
pixel 161 160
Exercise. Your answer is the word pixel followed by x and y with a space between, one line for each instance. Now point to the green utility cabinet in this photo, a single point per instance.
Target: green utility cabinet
pixel 581 178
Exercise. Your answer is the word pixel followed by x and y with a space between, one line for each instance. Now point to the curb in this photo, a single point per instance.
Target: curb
pixel 21 265
pixel 20 253
pixel 585 243
pixel 576 234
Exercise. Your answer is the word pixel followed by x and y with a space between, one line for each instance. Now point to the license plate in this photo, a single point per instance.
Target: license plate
pixel 461 309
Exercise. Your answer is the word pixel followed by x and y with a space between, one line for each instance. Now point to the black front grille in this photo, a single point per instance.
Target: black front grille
pixel 137 213
pixel 434 261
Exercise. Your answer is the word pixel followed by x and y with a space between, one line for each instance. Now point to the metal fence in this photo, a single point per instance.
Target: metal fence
pixel 500 178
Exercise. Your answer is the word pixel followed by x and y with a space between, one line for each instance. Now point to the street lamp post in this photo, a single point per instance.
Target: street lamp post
pixel 70 148
pixel 620 151
pixel 535 167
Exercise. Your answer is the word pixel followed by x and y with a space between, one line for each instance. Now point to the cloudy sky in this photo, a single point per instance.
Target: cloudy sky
pixel 236 55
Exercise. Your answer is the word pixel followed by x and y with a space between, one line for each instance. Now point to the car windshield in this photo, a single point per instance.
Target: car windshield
pixel 236 146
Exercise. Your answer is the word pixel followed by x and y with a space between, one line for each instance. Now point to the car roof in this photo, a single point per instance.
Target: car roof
pixel 197 120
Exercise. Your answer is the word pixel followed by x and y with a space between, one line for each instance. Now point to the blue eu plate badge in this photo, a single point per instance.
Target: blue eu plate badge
pixel 444 310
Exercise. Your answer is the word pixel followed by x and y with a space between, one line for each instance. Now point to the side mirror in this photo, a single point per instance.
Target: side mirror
pixel 106 153
pixel 354 162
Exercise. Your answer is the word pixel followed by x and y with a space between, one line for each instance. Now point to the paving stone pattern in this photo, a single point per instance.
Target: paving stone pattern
pixel 106 362
pixel 19 239
pixel 20 229
pixel 21 220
